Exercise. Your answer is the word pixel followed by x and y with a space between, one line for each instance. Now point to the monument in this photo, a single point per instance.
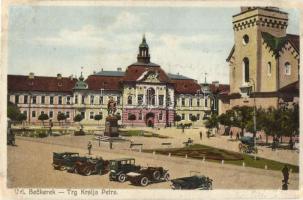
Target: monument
pixel 111 121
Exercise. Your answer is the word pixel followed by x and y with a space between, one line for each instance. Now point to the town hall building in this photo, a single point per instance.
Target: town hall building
pixel 144 90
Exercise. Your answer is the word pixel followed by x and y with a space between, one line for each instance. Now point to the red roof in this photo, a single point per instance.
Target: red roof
pixel 40 83
pixel 133 72
pixel 219 88
pixel 189 86
pixel 295 41
pixel 96 82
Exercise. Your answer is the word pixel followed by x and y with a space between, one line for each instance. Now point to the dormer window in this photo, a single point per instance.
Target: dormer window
pixel 287 68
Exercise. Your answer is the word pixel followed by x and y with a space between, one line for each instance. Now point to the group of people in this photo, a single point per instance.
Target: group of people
pixel 237 135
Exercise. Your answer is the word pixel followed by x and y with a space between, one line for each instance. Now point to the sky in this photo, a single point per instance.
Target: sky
pixel 48 40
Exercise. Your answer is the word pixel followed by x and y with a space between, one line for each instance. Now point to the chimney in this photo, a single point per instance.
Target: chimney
pixel 101 69
pixel 71 77
pixel 216 83
pixel 119 69
pixel 59 76
pixel 31 75
pixel 94 72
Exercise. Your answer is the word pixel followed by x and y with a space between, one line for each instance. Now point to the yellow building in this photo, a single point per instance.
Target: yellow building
pixel 265 57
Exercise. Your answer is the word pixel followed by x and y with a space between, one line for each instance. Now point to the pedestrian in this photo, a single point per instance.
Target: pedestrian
pixel 50 127
pixel 285 172
pixel 208 134
pixel 200 135
pixel 89 147
pixel 183 128
pixel 231 134
pixel 110 144
pixel 238 136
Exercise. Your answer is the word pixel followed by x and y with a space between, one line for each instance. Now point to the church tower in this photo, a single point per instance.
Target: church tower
pixel 247 55
pixel 143 55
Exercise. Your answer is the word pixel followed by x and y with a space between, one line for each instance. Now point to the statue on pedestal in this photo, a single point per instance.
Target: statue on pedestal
pixel 111 121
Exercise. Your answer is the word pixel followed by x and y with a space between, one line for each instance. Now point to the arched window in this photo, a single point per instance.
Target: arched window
pixel 269 68
pixel 245 65
pixel 287 68
pixel 151 96
pixel 129 100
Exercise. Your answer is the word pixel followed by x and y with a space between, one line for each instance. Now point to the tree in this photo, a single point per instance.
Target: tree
pixel 226 119
pixel 43 117
pixel 132 118
pixel 12 111
pixel 193 118
pixel 61 117
pixel 98 118
pixel 177 118
pixel 21 118
pixel 212 121
pixel 243 117
pixel 78 118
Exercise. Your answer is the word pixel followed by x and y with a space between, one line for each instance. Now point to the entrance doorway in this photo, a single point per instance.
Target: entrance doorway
pixel 150 119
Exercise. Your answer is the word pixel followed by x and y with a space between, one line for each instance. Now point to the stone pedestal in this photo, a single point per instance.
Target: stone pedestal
pixel 111 126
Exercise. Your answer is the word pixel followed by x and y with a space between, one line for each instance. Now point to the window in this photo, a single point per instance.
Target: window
pixel 33 113
pixel 42 99
pixel 182 116
pixel 269 69
pixel 190 116
pixel 51 100
pixel 160 116
pixel 68 100
pixel 140 116
pixel 190 102
pixel 245 39
pixel 161 100
pixel 100 113
pixel 83 115
pixel 25 113
pixel 287 68
pixel 198 102
pixel 76 99
pixel 92 100
pixel 118 100
pixel 34 99
pixel 198 117
pixel 140 99
pixel 245 70
pixel 51 114
pixel 83 100
pixel 60 100
pixel 101 100
pixel 25 100
pixel 205 102
pixel 17 99
pixel 183 101
pixel 91 115
pixel 151 96
pixel 42 112
pixel 129 100
pixel 67 115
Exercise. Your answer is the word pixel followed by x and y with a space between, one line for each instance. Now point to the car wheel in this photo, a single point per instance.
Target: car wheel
pixel 166 176
pixel 144 181
pixel 122 178
pixel 87 172
pixel 156 175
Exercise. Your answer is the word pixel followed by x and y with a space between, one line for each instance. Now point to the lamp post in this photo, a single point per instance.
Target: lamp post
pixel 245 92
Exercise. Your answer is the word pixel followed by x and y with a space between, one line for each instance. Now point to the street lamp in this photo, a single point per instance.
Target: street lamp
pixel 246 91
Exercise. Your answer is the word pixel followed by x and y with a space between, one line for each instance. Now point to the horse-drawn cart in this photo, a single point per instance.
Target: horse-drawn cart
pixel 247 145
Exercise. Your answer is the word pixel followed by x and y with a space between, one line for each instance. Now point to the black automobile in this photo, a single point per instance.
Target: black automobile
pixel 120 167
pixel 192 183
pixel 66 160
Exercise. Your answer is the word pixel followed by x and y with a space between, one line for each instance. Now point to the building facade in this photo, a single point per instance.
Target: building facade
pixel 144 90
pixel 264 57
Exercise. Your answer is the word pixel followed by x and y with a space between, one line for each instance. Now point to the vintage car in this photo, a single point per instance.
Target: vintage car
pixel 192 183
pixel 92 166
pixel 66 160
pixel 120 167
pixel 247 145
pixel 148 175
